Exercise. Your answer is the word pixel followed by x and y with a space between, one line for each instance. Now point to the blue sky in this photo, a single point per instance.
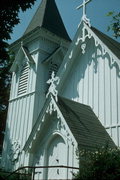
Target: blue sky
pixel 96 12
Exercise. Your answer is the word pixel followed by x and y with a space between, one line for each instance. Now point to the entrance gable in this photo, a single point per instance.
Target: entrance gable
pixel 52 138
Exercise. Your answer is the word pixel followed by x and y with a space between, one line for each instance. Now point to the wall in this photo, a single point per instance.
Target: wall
pixel 94 79
pixel 53 144
pixel 24 109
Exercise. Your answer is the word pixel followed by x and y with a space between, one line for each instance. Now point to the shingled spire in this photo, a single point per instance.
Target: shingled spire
pixel 48 17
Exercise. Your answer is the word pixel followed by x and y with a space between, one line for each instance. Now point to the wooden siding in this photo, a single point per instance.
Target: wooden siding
pixel 95 81
pixel 25 107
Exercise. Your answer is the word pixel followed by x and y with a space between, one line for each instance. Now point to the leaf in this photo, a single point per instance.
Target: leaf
pixel 108 28
pixel 110 13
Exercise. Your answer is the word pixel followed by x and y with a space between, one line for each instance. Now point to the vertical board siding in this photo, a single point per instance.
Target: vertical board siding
pixel 16 108
pixel 30 116
pixel 101 90
pixel 25 102
pixel 96 89
pixel 114 95
pixel 91 82
pixel 18 119
pixel 114 135
pixel 98 85
pixel 22 121
pixel 107 93
pixel 86 86
pixel 118 97
pixel 119 136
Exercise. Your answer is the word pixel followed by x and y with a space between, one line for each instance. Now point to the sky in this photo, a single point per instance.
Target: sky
pixel 96 12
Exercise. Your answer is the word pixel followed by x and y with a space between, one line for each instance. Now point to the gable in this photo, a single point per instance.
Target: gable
pixel 74 119
pixel 113 45
pixel 50 120
pixel 23 53
pixel 90 74
pixel 85 34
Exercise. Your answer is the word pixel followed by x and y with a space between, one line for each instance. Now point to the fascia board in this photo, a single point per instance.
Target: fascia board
pixel 27 55
pixel 16 61
pixel 97 39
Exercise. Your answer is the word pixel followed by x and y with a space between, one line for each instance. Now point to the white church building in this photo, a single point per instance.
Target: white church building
pixel 65 95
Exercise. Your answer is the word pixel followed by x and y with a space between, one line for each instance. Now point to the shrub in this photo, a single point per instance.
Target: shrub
pixel 103 164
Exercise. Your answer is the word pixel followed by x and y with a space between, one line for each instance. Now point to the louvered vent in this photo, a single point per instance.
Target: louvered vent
pixel 53 67
pixel 23 81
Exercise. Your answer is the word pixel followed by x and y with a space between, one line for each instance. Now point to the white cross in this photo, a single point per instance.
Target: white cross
pixel 84 17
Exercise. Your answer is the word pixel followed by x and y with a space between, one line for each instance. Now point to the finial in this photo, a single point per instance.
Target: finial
pixel 53 82
pixel 21 43
pixel 84 17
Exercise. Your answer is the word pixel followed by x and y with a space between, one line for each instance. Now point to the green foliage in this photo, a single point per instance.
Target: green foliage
pixel 104 164
pixel 17 176
pixel 9 11
pixel 21 176
pixel 115 23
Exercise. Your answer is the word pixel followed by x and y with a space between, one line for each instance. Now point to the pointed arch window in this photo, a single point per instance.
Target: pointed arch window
pixel 23 80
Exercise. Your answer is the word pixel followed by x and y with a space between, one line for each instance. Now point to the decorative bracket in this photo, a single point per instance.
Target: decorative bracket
pixel 54 81
pixel 15 151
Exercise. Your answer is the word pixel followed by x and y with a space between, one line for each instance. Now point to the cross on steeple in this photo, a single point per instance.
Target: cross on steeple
pixel 83 5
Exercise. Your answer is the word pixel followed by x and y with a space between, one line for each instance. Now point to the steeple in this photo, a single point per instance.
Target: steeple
pixel 48 17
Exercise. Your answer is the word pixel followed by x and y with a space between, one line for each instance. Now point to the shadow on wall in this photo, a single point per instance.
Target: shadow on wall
pixel 10 153
pixel 84 62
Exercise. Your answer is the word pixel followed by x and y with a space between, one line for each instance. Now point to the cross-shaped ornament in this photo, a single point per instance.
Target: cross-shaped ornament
pixel 54 81
pixel 83 5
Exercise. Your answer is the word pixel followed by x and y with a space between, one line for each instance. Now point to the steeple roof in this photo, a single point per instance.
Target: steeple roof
pixel 48 17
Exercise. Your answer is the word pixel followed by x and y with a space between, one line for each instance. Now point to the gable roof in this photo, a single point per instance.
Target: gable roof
pixel 17 62
pixel 48 17
pixel 81 120
pixel 113 45
pixel 84 124
pixel 107 44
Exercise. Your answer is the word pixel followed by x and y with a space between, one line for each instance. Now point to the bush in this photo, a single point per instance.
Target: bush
pixel 15 176
pixel 104 164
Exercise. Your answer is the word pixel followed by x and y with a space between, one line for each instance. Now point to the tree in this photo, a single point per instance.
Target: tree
pixel 9 11
pixel 103 164
pixel 115 24
pixel 5 79
pixel 9 17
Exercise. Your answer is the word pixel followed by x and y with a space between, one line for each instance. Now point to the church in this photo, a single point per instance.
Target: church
pixel 65 95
